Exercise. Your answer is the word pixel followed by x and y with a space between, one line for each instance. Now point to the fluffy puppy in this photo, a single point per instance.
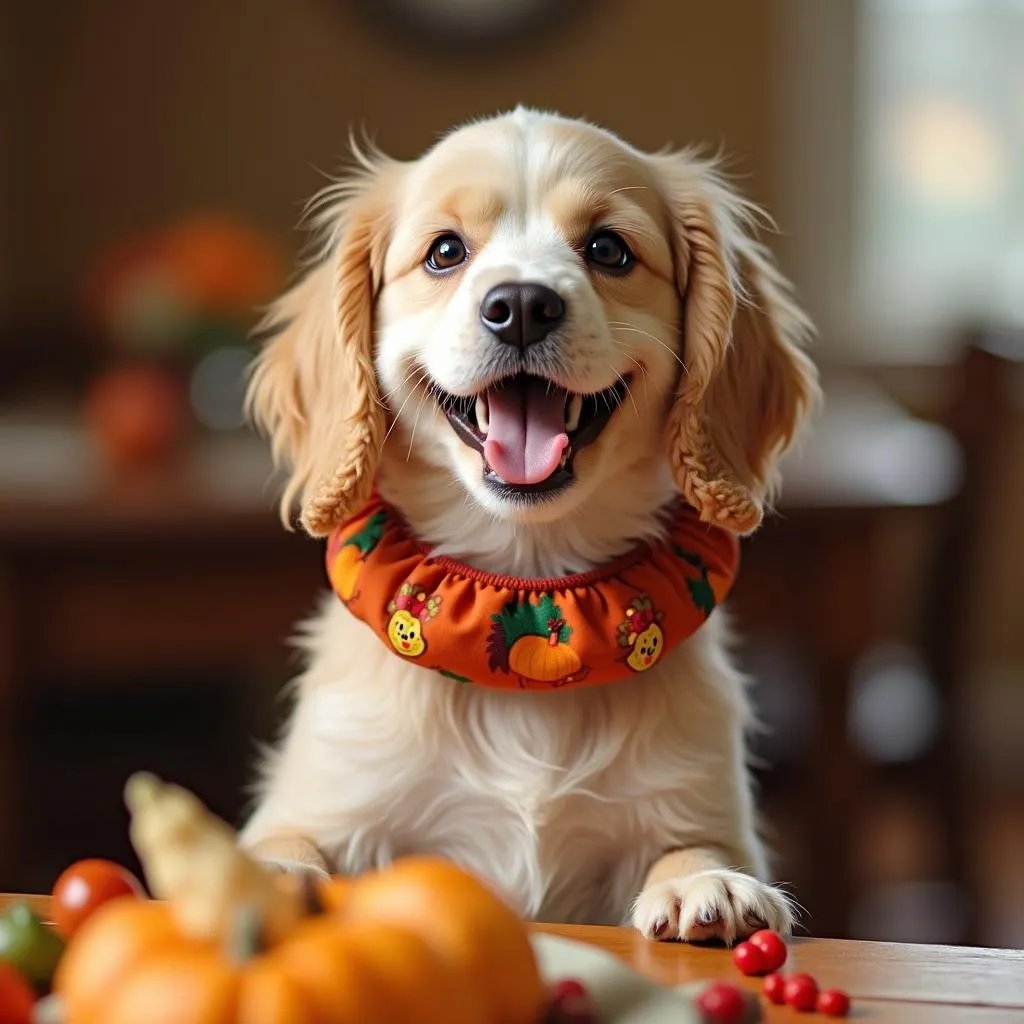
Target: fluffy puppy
pixel 539 257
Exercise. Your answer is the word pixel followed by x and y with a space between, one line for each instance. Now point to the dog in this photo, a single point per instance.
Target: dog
pixel 531 267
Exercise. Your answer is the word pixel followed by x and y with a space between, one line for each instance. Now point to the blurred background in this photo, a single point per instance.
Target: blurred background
pixel 154 159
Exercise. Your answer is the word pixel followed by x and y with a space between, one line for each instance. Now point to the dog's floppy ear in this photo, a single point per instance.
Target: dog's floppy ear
pixel 313 387
pixel 747 385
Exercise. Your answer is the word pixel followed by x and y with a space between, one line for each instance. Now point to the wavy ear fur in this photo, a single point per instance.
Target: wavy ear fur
pixel 748 384
pixel 313 387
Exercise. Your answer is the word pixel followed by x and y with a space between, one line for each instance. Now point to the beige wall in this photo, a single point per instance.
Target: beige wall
pixel 134 111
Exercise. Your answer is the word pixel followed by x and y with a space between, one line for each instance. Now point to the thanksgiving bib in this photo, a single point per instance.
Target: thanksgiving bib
pixel 502 631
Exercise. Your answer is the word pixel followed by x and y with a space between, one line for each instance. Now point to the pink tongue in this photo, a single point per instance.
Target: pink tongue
pixel 526 429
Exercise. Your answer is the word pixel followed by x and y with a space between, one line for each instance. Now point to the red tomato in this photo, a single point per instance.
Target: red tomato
pixel 16 997
pixel 722 1003
pixel 749 959
pixel 772 947
pixel 86 885
pixel 834 1003
pixel 774 986
pixel 801 992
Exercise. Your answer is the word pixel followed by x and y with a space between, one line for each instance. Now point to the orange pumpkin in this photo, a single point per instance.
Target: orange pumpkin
pixel 543 659
pixel 231 944
pixel 345 571
pixel 719 586
pixel 131 964
pixel 475 930
pixel 334 894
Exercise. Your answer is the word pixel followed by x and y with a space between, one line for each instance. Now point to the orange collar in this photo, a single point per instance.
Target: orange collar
pixel 500 631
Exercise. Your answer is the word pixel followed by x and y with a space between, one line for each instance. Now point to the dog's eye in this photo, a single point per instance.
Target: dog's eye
pixel 447 252
pixel 607 250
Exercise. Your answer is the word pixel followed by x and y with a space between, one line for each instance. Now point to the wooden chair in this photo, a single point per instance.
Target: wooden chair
pixel 981 417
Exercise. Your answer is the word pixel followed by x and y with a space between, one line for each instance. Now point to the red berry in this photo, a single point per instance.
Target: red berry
pixel 801 992
pixel 834 1003
pixel 16 996
pixel 749 959
pixel 570 1003
pixel 774 985
pixel 722 1003
pixel 771 945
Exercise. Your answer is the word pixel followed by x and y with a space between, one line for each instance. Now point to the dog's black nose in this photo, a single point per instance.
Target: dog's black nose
pixel 522 314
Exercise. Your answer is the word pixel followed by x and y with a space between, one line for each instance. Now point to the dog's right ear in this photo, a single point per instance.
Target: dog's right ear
pixel 313 388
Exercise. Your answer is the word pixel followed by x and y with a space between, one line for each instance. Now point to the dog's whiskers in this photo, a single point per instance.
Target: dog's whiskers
pixel 625 384
pixel 401 410
pixel 415 423
pixel 405 380
pixel 618 325
pixel 640 366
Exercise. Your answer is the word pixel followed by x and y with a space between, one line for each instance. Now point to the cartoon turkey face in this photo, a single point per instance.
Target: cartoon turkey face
pixel 647 648
pixel 406 634
pixel 640 634
pixel 410 609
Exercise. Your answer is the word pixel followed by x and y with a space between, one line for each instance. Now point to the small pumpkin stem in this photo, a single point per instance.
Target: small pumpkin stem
pixel 553 638
pixel 191 858
pixel 246 938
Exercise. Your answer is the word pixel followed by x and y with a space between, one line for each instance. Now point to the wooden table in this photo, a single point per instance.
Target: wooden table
pixel 889 983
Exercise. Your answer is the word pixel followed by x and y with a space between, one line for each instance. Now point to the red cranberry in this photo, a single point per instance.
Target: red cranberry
pixel 833 1003
pixel 722 1003
pixel 749 959
pixel 801 992
pixel 774 986
pixel 772 947
pixel 570 1003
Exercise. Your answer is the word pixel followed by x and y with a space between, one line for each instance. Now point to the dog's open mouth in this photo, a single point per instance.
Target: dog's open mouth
pixel 528 429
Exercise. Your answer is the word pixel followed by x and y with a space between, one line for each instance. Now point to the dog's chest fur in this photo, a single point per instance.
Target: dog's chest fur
pixel 564 799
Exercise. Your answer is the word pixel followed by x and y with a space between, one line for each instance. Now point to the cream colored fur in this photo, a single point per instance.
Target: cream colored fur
pixel 603 804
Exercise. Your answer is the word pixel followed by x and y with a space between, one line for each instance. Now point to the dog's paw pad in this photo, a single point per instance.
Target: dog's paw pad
pixel 711 906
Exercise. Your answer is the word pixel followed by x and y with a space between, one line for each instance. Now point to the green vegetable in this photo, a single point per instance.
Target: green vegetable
pixel 28 945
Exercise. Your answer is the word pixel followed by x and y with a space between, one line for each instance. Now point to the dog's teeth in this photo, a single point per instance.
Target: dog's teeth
pixel 481 413
pixel 573 410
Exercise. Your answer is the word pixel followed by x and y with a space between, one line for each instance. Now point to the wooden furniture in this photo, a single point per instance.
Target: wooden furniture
pixel 982 415
pixel 813 573
pixel 889 983
pixel 183 574
pixel 190 570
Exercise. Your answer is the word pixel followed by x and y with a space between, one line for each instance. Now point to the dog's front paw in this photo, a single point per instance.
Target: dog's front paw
pixel 711 905
pixel 293 855
pixel 296 869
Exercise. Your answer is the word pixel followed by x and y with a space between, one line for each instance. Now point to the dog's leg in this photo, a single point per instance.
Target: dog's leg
pixel 699 895
pixel 291 853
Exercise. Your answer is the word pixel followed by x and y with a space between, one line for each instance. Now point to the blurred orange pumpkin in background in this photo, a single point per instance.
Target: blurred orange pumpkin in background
pixel 183 286
pixel 137 414
pixel 182 299
pixel 221 264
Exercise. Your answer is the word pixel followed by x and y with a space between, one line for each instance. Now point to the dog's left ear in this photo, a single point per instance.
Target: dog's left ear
pixel 313 387
pixel 747 386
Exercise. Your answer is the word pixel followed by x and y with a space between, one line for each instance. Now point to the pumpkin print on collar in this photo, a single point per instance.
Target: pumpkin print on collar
pixel 602 626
